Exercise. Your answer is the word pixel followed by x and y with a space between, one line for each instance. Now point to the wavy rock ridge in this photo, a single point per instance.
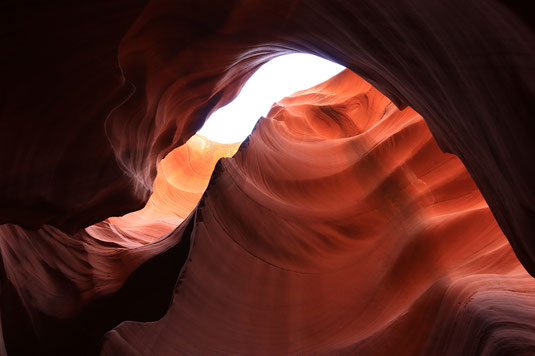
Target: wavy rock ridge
pixel 150 72
pixel 339 227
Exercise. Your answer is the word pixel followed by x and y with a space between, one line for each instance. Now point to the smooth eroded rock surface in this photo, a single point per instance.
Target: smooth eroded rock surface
pixel 339 227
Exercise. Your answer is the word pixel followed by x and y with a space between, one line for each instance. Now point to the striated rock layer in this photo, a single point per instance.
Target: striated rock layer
pixel 62 292
pixel 182 179
pixel 339 228
pixel 150 72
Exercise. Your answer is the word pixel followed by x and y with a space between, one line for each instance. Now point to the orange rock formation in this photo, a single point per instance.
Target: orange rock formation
pixel 339 227
pixel 182 178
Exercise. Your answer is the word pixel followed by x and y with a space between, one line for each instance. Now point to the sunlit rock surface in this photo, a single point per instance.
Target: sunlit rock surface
pixel 182 178
pixel 63 292
pixel 339 227
pixel 97 94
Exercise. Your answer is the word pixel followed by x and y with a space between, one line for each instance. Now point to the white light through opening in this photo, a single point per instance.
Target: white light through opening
pixel 273 81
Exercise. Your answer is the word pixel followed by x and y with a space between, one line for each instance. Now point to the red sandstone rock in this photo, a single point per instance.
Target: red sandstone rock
pixel 340 227
pixel 181 181
pixel 96 95
pixel 151 72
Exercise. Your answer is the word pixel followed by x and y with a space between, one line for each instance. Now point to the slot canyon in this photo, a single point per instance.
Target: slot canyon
pixel 389 210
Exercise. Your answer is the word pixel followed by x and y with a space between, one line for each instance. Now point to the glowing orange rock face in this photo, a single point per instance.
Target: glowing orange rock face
pixel 339 228
pixel 327 234
pixel 182 178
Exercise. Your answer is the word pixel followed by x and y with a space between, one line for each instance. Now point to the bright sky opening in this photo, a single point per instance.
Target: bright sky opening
pixel 275 80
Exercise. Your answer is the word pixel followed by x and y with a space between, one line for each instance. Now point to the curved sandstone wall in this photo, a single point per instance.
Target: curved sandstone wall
pixel 340 226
